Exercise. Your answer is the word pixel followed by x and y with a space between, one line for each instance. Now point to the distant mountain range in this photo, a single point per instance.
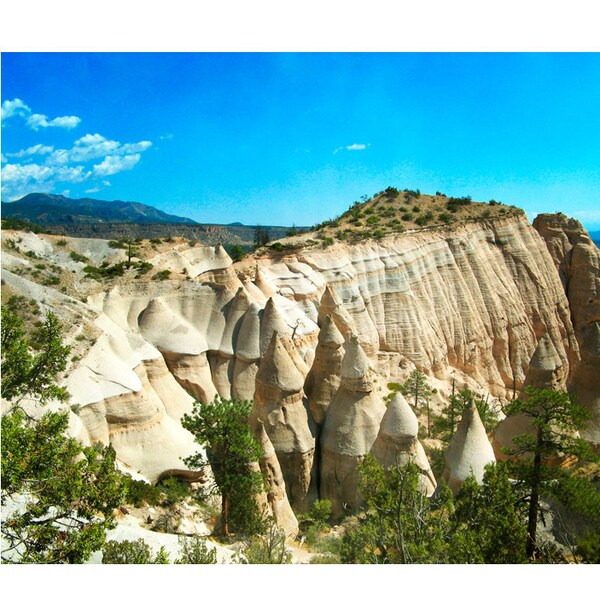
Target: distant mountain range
pixel 91 218
pixel 51 209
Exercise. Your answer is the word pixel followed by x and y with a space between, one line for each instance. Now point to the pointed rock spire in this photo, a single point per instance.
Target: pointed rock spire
pixel 271 321
pixel 331 304
pixel 349 430
pixel 277 368
pixel 355 368
pixel 274 482
pixel 469 450
pixel 279 404
pixel 329 335
pixel 324 377
pixel 397 442
pixel 545 371
pixel 248 339
pixel 262 284
pixel 235 313
pixel 545 367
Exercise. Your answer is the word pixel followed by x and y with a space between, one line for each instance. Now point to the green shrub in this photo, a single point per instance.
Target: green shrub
pixel 132 553
pixel 78 257
pixel 327 241
pixel 237 252
pixel 372 220
pixel 407 217
pixel 162 275
pixel 195 552
pixel 61 242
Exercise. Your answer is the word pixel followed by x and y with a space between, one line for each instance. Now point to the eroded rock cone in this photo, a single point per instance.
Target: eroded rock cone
pixel 324 377
pixel 331 304
pixel 397 442
pixel 271 321
pixel 247 353
pixel 546 371
pixel 275 485
pixel 262 284
pixel 279 403
pixel 349 430
pixel 469 450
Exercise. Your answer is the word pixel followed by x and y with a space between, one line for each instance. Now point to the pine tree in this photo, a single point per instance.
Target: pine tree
pixel 58 497
pixel 488 518
pixel 555 419
pixel 223 426
pixel 417 388
pixel 400 525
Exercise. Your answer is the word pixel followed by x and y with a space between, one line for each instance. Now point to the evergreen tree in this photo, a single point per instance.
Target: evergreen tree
pixel 57 496
pixel 555 418
pixel 223 426
pixel 487 520
pixel 417 388
pixel 400 525
pixel 261 236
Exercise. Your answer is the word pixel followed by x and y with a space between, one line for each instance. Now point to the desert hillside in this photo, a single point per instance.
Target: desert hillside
pixel 313 329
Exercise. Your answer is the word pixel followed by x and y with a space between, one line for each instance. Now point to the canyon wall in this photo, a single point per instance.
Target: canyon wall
pixel 470 302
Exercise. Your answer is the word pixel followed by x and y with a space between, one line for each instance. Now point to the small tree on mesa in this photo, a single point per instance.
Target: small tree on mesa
pixel 223 426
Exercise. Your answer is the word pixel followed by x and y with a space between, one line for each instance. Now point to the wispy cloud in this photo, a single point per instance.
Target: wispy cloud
pixel 352 147
pixel 35 121
pixel 92 190
pixel 38 149
pixel 167 136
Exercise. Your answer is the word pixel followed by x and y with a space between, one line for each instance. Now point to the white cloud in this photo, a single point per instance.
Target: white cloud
pixel 167 136
pixel 93 146
pixel 33 150
pixel 134 148
pixel 41 167
pixel 92 190
pixel 3 158
pixel 19 180
pixel 18 108
pixel 12 108
pixel 115 164
pixel 36 121
pixel 352 147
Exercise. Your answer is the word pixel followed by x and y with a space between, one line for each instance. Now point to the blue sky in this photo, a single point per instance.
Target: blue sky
pixel 296 138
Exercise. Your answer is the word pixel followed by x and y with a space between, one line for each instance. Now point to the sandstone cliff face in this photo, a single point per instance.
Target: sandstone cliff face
pixel 577 260
pixel 475 299
pixel 546 371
